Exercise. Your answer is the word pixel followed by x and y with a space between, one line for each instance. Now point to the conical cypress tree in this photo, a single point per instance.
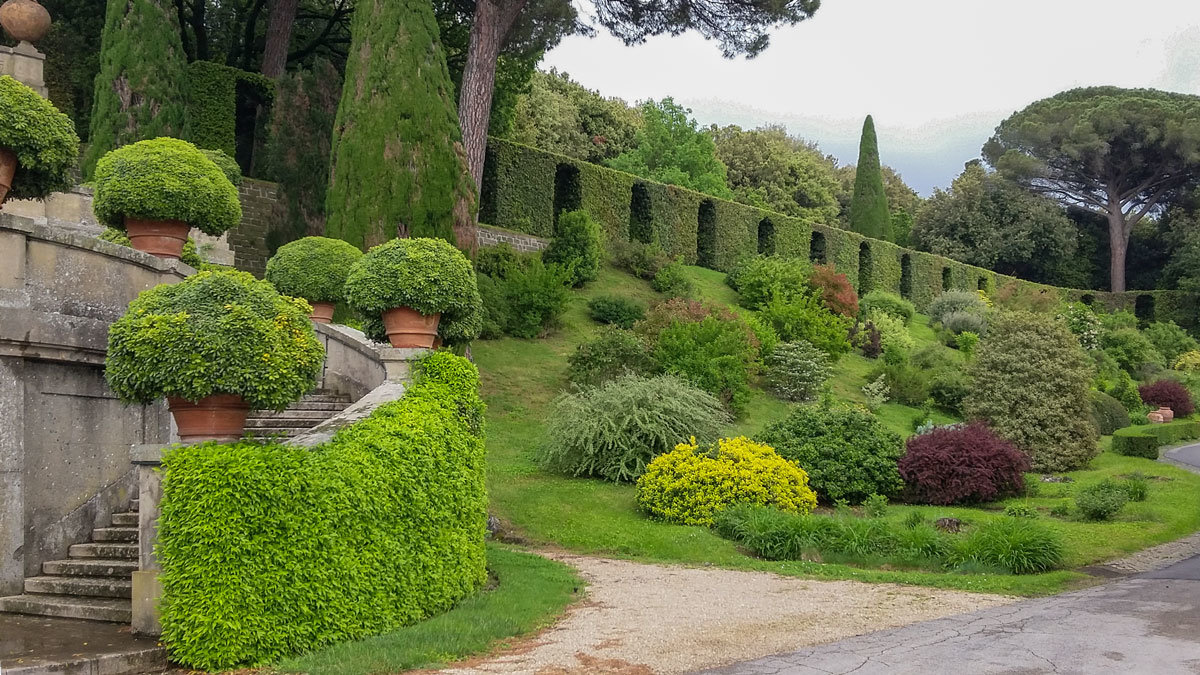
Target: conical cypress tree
pixel 398 165
pixel 868 209
pixel 139 89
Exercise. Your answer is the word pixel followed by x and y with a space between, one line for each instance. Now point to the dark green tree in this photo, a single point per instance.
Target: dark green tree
pixel 869 208
pixel 398 166
pixel 1122 153
pixel 139 91
pixel 671 149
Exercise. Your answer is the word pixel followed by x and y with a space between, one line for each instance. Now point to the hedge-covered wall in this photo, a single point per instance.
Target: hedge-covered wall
pixel 272 550
pixel 519 193
pixel 212 101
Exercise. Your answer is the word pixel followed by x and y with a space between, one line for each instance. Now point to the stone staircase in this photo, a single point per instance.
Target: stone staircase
pixel 301 416
pixel 94 582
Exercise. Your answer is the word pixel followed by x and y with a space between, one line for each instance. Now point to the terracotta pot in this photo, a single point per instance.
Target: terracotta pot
pixel 25 20
pixel 409 328
pixel 322 312
pixel 163 238
pixel 220 417
pixel 8 169
pixel 1167 413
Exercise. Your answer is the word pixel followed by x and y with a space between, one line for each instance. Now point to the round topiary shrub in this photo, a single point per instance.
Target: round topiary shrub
pixel 41 138
pixel 216 332
pixel 688 485
pixel 888 303
pixel 1030 384
pixel 577 244
pixel 614 430
pixel 797 370
pixel 165 179
pixel 846 451
pixel 962 464
pixel 1108 414
pixel 313 268
pixel 1168 394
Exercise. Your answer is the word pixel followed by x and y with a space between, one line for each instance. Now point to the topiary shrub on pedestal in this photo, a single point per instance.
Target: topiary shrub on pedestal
pixel 313 268
pixel 41 139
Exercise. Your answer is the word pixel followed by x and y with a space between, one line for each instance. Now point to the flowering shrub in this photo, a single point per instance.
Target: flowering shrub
pixel 835 290
pixel 688 485
pixel 796 370
pixel 1084 323
pixel 961 465
pixel 1168 394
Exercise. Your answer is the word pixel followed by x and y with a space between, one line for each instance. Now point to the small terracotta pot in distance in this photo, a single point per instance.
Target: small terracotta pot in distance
pixel 220 417
pixel 163 238
pixel 322 312
pixel 407 327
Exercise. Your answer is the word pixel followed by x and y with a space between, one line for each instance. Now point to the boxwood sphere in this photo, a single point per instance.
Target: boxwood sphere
pixel 43 139
pixel 313 268
pixel 165 179
pixel 216 332
pixel 427 275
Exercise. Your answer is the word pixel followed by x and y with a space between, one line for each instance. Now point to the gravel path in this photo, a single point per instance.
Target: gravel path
pixel 641 619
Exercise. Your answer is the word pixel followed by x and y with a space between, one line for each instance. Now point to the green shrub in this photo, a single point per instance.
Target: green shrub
pixel 499 260
pixel 189 256
pixel 578 245
pixel 165 179
pixel 613 431
pixel 956 323
pixel 888 303
pixel 1145 440
pixel 1021 510
pixel 906 383
pixel 1107 413
pixel 796 371
pixel 1188 362
pixel 42 138
pixel 892 332
pixel 1017 545
pixel 226 164
pixel 875 506
pixel 955 301
pixel 1118 320
pixel 1170 340
pixel 1131 349
pixel 803 317
pixel 269 550
pixel 1030 383
pixel 640 260
pixel 672 281
pixel 714 354
pixel 313 268
pixel 764 278
pixel 1101 501
pixel 214 333
pixel 495 307
pixel 537 296
pixel 617 310
pixel 688 485
pixel 949 387
pixel 612 353
pixel 966 342
pixel 1136 487
pixel 847 452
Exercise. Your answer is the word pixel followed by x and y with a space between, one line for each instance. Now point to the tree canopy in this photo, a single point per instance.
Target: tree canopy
pixel 1119 152
pixel 561 115
pixel 770 169
pixel 671 149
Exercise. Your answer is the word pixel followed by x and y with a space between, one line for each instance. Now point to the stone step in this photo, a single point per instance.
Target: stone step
pixel 70 607
pixel 308 405
pixel 101 587
pixel 282 423
pixel 299 415
pixel 269 432
pixel 326 398
pixel 115 534
pixel 127 519
pixel 104 550
pixel 92 567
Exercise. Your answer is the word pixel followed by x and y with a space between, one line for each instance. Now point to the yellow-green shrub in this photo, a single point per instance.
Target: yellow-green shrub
pixel 689 484
pixel 1189 362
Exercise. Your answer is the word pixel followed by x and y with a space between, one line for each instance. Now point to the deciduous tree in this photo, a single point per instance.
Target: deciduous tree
pixel 772 170
pixel 671 149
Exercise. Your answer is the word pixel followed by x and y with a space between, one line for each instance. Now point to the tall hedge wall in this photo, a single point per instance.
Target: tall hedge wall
pixel 271 550
pixel 212 100
pixel 519 193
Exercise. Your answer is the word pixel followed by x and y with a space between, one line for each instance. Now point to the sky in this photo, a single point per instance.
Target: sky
pixel 937 75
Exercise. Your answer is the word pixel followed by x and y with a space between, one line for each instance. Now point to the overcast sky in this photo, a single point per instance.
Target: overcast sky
pixel 938 75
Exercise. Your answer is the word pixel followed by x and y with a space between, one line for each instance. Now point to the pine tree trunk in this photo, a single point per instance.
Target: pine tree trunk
pixel 279 36
pixel 1118 243
pixel 492 20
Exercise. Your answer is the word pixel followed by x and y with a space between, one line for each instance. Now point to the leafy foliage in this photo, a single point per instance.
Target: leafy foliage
pixel 1102 500
pixel 42 138
pixel 1017 545
pixel 887 303
pixel 614 430
pixel 760 279
pixel 313 268
pixel 500 260
pixel 869 208
pixel 640 260
pixel 769 169
pixel 1170 340
pixel 536 295
pixel 847 452
pixel 892 332
pixel 427 275
pixel 1145 440
pixel 957 323
pixel 1108 414
pixel 578 245
pixel 165 179
pixel 955 301
pixel 962 464
pixel 612 353
pixel 796 371
pixel 672 281
pixel 669 148
pixel 226 164
pixel 213 91
pixel 835 290
pixel 1130 349
pixel 804 318
pixel 560 115
pixel 1031 382
pixel 389 514
pixel 214 333
pixel 688 485
pixel 1168 394
pixel 1189 362
pixel 617 310
pixel 715 354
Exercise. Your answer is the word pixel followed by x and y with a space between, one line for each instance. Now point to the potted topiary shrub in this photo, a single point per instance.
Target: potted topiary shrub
pixel 38 145
pixel 313 268
pixel 157 190
pixel 411 284
pixel 215 345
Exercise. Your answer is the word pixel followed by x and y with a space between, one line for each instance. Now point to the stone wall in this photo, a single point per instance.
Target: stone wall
pixel 65 438
pixel 490 236
pixel 249 240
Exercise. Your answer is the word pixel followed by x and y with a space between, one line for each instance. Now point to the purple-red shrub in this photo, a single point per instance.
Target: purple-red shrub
pixel 1168 394
pixel 836 292
pixel 968 463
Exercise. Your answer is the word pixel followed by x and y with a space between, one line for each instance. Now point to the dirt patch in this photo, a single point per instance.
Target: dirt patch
pixel 643 619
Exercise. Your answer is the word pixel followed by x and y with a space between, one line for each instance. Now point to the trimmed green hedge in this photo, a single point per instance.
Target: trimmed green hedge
pixel 212 98
pixel 313 268
pixel 519 193
pixel 270 551
pixel 1145 440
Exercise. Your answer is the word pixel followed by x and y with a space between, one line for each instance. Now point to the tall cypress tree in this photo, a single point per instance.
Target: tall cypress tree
pixel 398 167
pixel 139 91
pixel 868 209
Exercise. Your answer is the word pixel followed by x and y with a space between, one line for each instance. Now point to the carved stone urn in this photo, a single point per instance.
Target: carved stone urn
pixel 24 20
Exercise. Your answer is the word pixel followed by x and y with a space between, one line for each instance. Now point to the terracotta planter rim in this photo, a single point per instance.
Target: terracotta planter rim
pixel 217 417
pixel 408 328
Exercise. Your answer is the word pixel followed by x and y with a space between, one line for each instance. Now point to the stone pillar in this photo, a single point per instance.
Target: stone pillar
pixel 397 362
pixel 147 585
pixel 25 64
pixel 12 476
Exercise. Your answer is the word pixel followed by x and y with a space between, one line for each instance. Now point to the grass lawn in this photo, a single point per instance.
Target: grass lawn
pixel 521 378
pixel 530 593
